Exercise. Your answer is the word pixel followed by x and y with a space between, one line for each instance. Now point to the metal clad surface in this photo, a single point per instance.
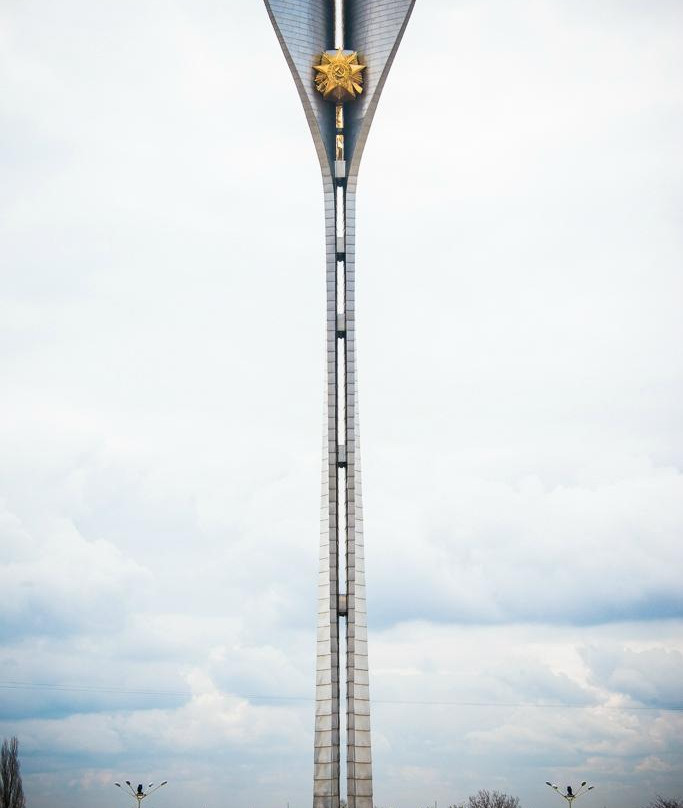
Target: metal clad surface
pixel 374 29
pixel 326 751
pixel 305 29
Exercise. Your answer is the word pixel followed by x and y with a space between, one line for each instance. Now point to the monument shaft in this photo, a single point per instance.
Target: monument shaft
pixel 340 89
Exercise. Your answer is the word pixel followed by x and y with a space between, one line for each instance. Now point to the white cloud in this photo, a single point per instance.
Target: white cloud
pixel 519 327
pixel 650 676
pixel 64 583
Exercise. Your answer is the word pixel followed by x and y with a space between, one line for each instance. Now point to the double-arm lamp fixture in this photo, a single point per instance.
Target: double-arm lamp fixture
pixel 570 795
pixel 140 792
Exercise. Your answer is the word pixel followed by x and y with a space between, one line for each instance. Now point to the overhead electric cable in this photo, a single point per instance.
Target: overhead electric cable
pixel 281 697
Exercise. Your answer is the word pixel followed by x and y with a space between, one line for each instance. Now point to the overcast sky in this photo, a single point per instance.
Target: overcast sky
pixel 519 321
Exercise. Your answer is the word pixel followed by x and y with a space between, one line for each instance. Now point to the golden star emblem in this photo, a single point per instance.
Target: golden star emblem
pixel 339 77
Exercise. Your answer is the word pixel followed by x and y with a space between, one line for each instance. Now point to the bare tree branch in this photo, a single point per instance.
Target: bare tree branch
pixel 11 789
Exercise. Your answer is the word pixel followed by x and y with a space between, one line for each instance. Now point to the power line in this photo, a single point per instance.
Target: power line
pixel 90 689
pixel 275 697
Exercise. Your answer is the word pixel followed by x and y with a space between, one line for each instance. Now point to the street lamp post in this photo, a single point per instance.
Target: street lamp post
pixel 140 794
pixel 571 795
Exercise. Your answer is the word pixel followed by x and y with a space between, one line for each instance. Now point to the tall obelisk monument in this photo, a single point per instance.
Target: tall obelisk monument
pixel 340 53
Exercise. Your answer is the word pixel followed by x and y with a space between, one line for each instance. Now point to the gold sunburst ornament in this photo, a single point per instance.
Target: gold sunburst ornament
pixel 339 76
